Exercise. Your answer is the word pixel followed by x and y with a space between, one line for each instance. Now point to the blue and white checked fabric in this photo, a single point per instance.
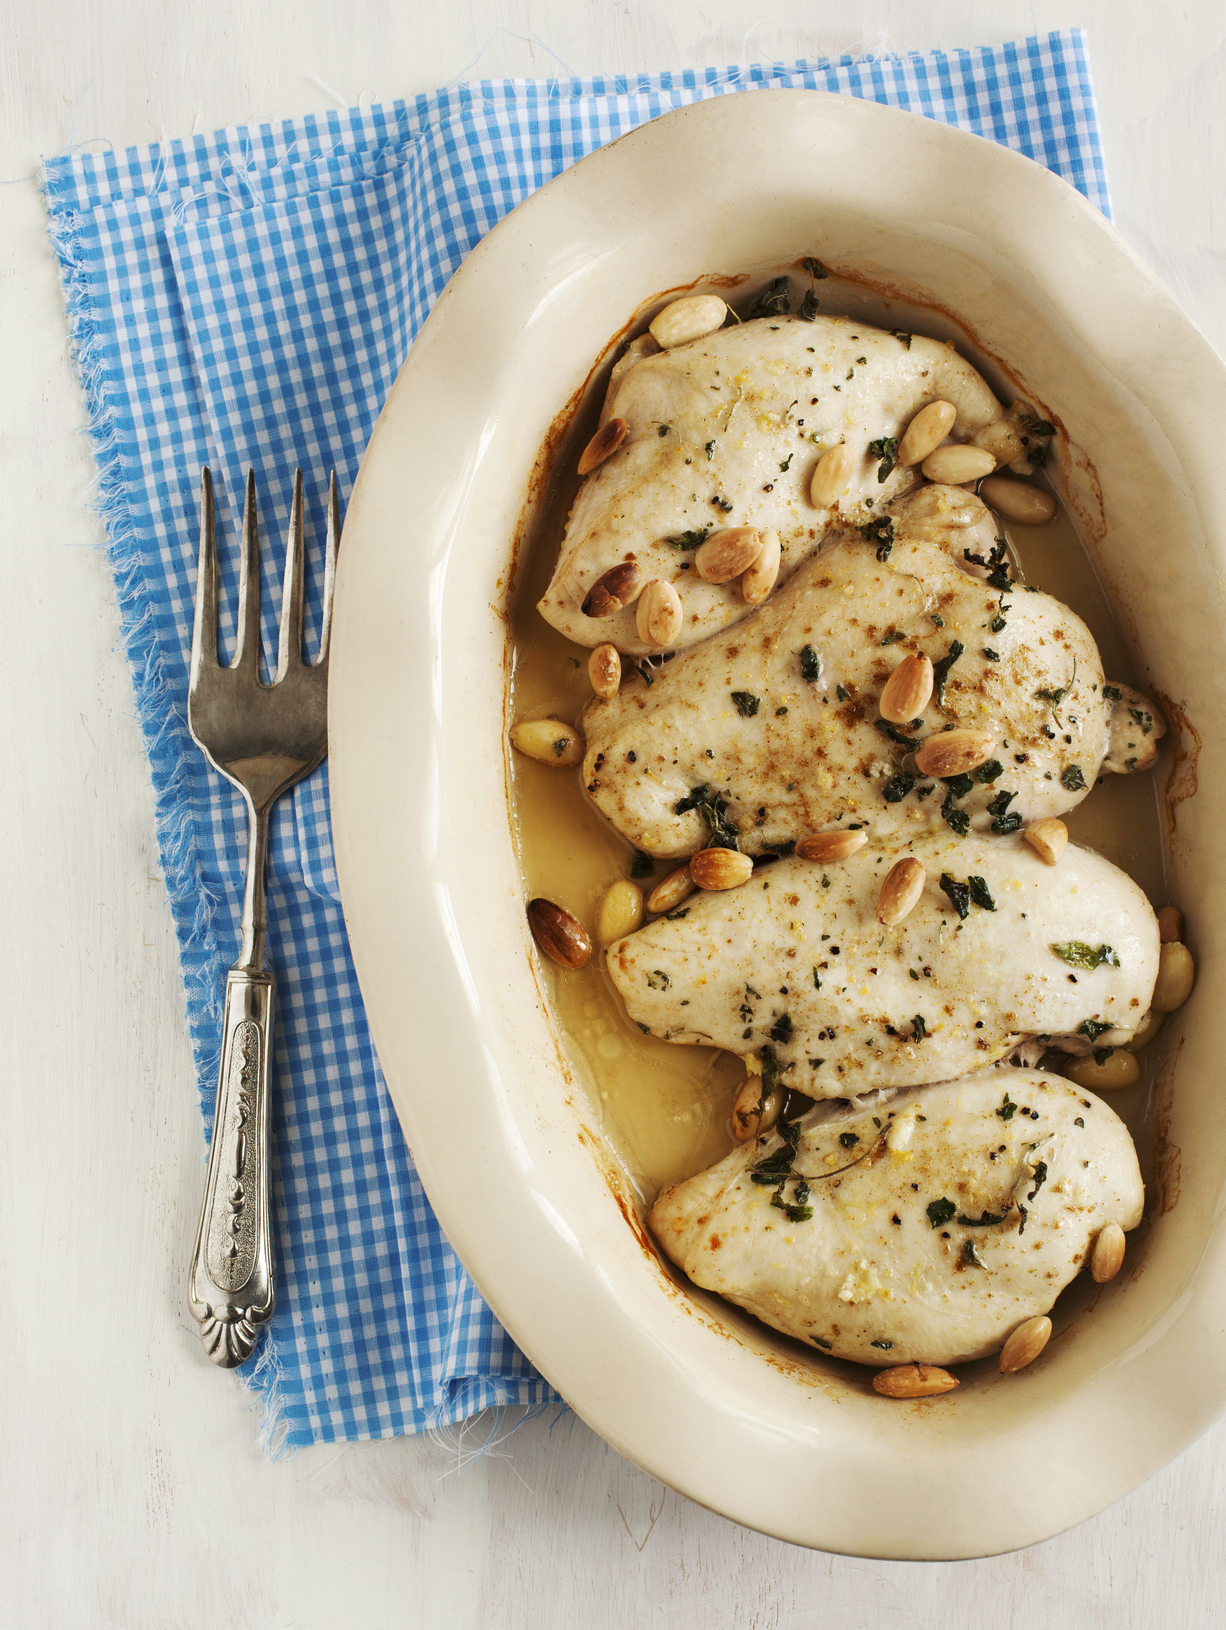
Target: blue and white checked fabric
pixel 247 298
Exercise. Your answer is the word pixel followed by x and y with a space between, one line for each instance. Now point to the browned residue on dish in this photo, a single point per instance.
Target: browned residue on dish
pixel 1183 777
pixel 1167 1157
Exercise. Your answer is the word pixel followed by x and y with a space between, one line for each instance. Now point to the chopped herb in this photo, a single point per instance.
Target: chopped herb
pixel 1021 1227
pixel 940 670
pixel 1072 779
pixel 849 1139
pixel 779 712
pixel 1008 1109
pixel 1080 955
pixel 787 461
pixel 956 819
pixel 657 979
pixel 939 621
pixel 781 1030
pixel 959 895
pixel 770 1077
pixel 1112 693
pixel 1055 697
pixel 919 1028
pixel 794 1213
pixel 710 450
pixel 980 893
pixel 1102 1054
pixel 773 301
pixel 810 664
pixel 840 692
pixel 808 307
pixel 690 540
pixel 1145 721
pixel 894 733
pixel 1079 1122
pixel 817 1340
pixel 991 655
pixel 970 1256
pixel 886 449
pixel 817 985
pixel 998 809
pixel 987 773
pixel 1037 456
pixel 676 917
pixel 884 1345
pixel 903 337
pixel 1093 1028
pixel 814 269
pixel 940 1211
pixel 747 704
pixel 880 532
pixel 1040 1177
pixel 643 669
pixel 1037 427
pixel 897 787
pixel 959 785
pixel 894 637
pixel 724 504
pixel 642 865
pixel 996 565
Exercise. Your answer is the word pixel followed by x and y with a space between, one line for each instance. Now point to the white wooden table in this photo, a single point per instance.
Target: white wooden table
pixel 132 1492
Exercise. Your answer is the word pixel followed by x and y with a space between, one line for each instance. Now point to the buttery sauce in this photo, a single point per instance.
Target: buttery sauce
pixel 666 1108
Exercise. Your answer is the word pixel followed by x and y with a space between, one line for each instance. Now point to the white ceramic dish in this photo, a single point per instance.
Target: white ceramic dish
pixel 699 1396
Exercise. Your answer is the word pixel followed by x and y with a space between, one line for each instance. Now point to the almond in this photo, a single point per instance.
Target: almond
pixel 913 1381
pixel 688 319
pixel 1170 925
pixel 1119 1069
pixel 902 888
pixel 956 464
pixel 1176 976
pixel 755 1111
pixel 926 432
pixel 728 553
pixel 1048 838
pixel 549 741
pixel 658 615
pixel 908 690
pixel 562 937
pixel 1107 1257
pixel 1018 500
pixel 604 669
pixel 621 911
pixel 670 891
pixel 615 589
pixel 834 471
pixel 759 579
pixel 831 845
pixel 1025 1344
pixel 720 868
pixel 1001 438
pixel 954 752
pixel 603 444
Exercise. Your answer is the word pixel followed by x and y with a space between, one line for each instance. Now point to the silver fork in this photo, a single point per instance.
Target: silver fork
pixel 263 739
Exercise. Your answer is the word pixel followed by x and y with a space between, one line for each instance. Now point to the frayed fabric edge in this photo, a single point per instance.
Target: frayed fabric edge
pixel 162 724
pixel 487 1433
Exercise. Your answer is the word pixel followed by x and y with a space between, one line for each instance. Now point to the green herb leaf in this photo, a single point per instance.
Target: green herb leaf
pixel 989 772
pixel 895 733
pixel 959 785
pixel 900 335
pixel 1113 693
pixel 849 1139
pixel 959 895
pixel 940 1211
pixel 773 301
pixel 980 893
pixel 919 1028
pixel 970 1256
pixel 1080 955
pixel 747 704
pixel 787 462
pixel 808 307
pixel 658 979
pixel 986 1221
pixel 940 670
pixel 1072 779
pixel 991 655
pixel 1093 1028
pixel 690 540
pixel 897 787
pixel 810 664
pixel 956 819
pixel 880 532
pixel 642 865
pixel 1008 1109
pixel 886 449
pixel 710 451
pixel 781 1030
pixel 1040 1177
pixel 814 268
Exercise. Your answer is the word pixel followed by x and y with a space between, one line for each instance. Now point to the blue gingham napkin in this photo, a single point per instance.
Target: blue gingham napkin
pixel 246 298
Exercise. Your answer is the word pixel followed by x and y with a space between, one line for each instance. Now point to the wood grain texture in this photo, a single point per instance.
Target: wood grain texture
pixel 131 1491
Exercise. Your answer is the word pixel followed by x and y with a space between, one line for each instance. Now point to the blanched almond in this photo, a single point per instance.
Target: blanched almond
pixel 549 741
pixel 1024 1345
pixel 658 615
pixel 834 470
pixel 902 888
pixel 604 669
pixel 759 579
pixel 1176 976
pixel 956 464
pixel 621 911
pixel 1001 438
pixel 688 319
pixel 720 868
pixel 926 432
pixel 831 845
pixel 562 937
pixel 1146 1033
pixel 953 752
pixel 670 891
pixel 1107 1257
pixel 603 444
pixel 1048 838
pixel 728 553
pixel 755 1111
pixel 913 1381
pixel 1018 500
pixel 908 690
pixel 1170 925
pixel 615 589
pixel 1119 1069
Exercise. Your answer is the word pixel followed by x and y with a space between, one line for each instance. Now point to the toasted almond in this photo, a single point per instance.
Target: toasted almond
pixel 562 937
pixel 1018 500
pixel 759 579
pixel 621 911
pixel 834 470
pixel 720 868
pixel 1001 438
pixel 755 1111
pixel 549 741
pixel 831 845
pixel 953 752
pixel 1048 838
pixel 1145 1033
pixel 603 445
pixel 615 589
pixel 670 891
pixel 913 1381
pixel 1170 925
pixel 728 553
pixel 904 883
pixel 908 690
pixel 1176 976
pixel 1025 1344
pixel 1119 1069
pixel 658 615
pixel 1107 1257
pixel 955 464
pixel 927 430
pixel 604 669
pixel 688 319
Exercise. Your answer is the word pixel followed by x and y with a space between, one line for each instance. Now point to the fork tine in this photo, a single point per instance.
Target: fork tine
pixel 247 650
pixel 289 651
pixel 204 628
pixel 334 535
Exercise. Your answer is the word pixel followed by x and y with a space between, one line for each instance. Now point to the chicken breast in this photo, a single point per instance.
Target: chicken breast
pixel 727 431
pixel 922 1230
pixel 778 720
pixel 794 965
